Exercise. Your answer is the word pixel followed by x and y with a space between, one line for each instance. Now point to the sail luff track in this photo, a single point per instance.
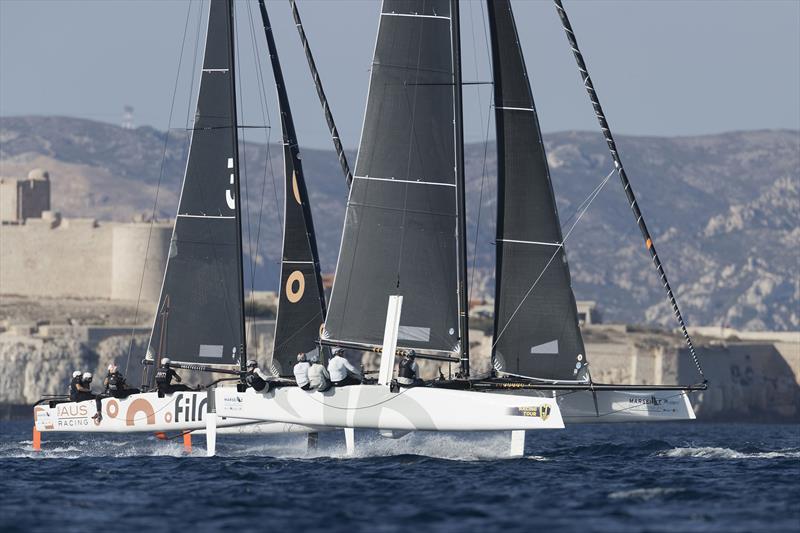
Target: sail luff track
pixel 301 302
pixel 231 7
pixel 536 332
pixel 323 100
pixel 458 111
pixel 612 146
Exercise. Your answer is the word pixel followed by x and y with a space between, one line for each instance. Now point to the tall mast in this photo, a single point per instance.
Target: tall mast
pixel 460 185
pixel 301 302
pixel 626 184
pixel 323 100
pixel 239 199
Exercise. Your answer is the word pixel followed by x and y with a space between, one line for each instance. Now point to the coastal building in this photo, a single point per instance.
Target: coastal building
pixel 43 254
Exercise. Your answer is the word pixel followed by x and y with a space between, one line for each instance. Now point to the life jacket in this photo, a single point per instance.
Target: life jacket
pixel 254 380
pixel 406 373
pixel 318 377
pixel 73 388
pixel 116 382
pixel 163 377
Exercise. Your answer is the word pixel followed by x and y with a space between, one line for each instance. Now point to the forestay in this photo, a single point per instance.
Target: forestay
pixel 200 318
pixel 301 306
pixel 536 321
pixel 401 223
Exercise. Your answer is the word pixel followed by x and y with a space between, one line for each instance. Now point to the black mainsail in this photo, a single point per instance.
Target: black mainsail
pixel 401 228
pixel 201 312
pixel 301 306
pixel 536 331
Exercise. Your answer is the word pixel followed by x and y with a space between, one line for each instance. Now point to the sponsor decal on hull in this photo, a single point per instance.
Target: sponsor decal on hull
pixel 542 411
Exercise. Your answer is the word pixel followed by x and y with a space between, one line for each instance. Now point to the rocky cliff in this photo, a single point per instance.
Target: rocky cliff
pixel 724 210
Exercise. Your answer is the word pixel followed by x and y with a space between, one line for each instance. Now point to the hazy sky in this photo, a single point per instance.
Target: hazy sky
pixel 660 68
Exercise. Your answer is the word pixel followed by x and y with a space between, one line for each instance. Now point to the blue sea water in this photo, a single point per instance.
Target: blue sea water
pixel 622 477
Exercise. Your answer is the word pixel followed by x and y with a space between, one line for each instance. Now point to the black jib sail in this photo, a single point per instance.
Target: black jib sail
pixel 301 307
pixel 401 227
pixel 536 320
pixel 200 315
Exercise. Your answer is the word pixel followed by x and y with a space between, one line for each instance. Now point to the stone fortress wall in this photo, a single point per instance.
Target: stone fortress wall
pixel 43 254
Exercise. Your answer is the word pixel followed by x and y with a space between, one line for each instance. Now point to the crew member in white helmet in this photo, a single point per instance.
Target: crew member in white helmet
pixel 408 371
pixel 301 372
pixel 85 393
pixel 341 371
pixel 255 377
pixel 318 375
pixel 164 377
pixel 74 383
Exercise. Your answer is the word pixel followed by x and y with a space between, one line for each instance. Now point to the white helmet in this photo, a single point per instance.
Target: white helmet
pixel 165 361
pixel 76 374
pixel 87 376
pixel 301 357
pixel 112 368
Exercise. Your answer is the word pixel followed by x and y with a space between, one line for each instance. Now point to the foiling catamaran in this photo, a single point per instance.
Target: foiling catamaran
pixel 200 319
pixel 404 243
pixel 200 323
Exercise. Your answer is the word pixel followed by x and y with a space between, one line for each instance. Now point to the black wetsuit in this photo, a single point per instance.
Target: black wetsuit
pixel 117 387
pixel 164 377
pixel 73 389
pixel 255 381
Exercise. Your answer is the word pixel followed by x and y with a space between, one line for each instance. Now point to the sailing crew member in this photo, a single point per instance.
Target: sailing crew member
pixel 341 371
pixel 255 377
pixel 318 375
pixel 408 370
pixel 301 372
pixel 164 377
pixel 84 388
pixel 115 383
pixel 73 385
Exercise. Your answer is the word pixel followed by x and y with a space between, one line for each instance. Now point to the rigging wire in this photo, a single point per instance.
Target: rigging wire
pixel 158 187
pixel 485 147
pixel 245 201
pixel 267 120
pixel 601 118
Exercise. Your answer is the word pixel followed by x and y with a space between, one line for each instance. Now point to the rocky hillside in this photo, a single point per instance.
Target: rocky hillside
pixel 724 209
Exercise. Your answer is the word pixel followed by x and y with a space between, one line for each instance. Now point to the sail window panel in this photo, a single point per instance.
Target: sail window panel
pixel 299 316
pixel 542 340
pixel 408 128
pixel 388 250
pixel 202 285
pixel 437 8
pixel 530 210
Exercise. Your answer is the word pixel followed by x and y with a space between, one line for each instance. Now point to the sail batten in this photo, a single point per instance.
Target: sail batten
pixel 201 310
pixel 400 237
pixel 536 320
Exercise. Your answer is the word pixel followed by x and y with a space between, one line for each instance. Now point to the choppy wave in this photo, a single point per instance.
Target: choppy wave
pixel 710 452
pixel 644 494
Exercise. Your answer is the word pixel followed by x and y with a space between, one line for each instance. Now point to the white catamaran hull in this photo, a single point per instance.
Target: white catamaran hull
pixel 586 407
pixel 376 407
pixel 146 412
